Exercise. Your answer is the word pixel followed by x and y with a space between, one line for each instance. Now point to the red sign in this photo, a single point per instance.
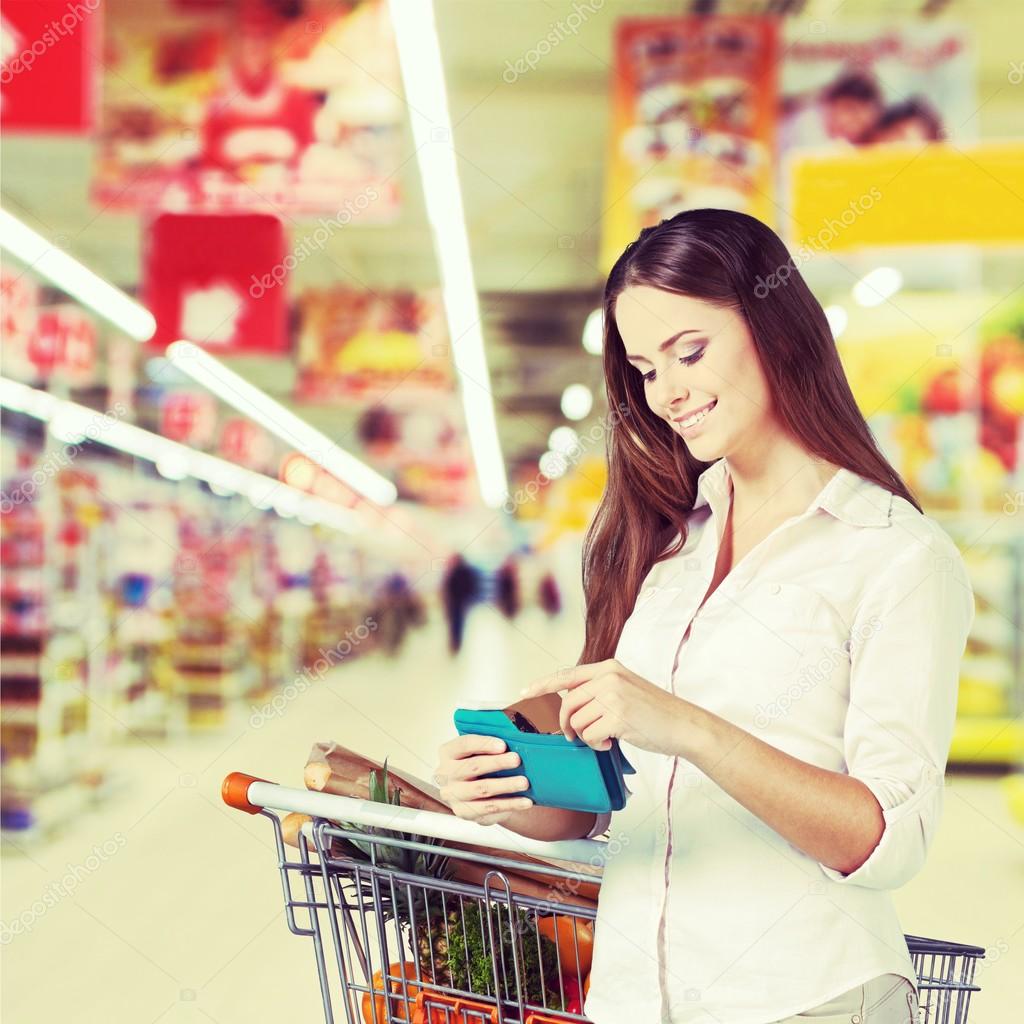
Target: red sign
pixel 19 311
pixel 189 417
pixel 218 280
pixel 39 343
pixel 65 341
pixel 48 73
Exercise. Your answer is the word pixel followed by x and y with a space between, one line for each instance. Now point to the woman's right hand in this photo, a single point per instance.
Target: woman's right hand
pixel 461 763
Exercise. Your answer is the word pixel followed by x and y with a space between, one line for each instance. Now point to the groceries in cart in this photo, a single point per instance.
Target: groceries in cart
pixel 534 940
pixel 561 773
pixel 416 915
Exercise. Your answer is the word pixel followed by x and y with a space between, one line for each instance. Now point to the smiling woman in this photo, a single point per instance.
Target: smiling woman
pixel 686 332
pixel 774 631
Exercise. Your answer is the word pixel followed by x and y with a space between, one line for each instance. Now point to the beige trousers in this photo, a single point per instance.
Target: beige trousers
pixel 887 999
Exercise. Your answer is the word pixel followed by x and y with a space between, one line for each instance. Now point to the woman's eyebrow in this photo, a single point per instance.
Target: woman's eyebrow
pixel 661 348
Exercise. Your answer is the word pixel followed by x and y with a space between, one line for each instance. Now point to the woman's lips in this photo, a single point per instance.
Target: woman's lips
pixel 695 428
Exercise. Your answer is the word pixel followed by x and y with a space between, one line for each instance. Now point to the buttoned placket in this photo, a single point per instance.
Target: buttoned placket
pixel 735 581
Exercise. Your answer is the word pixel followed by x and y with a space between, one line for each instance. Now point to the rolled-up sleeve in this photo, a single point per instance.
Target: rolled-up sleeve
pixel 906 643
pixel 600 825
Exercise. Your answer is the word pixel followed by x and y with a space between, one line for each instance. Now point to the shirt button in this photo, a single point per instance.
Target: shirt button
pixel 855 1019
pixel 776 588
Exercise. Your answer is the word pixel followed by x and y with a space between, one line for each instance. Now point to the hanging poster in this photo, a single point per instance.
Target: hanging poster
pixel 693 122
pixel 252 104
pixel 48 66
pixel 359 344
pixel 202 280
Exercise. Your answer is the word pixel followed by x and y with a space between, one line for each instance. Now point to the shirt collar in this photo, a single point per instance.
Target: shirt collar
pixel 847 496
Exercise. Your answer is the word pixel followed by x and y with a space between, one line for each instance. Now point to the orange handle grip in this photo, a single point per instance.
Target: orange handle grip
pixel 234 792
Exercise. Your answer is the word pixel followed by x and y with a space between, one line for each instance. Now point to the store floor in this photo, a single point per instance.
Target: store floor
pixel 176 912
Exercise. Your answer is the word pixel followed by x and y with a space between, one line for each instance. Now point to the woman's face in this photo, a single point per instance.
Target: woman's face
pixel 709 366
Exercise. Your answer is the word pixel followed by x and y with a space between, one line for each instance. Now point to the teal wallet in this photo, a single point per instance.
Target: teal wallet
pixel 561 773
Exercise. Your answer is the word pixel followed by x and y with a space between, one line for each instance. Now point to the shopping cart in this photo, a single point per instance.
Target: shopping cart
pixel 399 936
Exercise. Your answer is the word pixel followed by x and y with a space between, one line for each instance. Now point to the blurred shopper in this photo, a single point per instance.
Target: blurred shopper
pixel 459 590
pixel 398 609
pixel 773 636
pixel 548 595
pixel 507 588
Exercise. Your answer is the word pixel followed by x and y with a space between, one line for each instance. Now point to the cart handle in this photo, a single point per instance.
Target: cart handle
pixel 250 794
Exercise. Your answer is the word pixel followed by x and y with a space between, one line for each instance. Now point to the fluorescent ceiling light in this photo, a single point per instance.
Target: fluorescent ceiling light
pixel 75 279
pixel 172 460
pixel 249 400
pixel 874 288
pixel 419 55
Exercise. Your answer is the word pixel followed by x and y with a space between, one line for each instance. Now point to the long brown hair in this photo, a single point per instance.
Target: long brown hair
pixel 734 261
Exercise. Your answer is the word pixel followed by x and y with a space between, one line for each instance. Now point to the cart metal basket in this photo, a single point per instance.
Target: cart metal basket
pixel 398 936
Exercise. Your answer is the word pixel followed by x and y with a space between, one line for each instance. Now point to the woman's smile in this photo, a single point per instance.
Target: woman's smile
pixel 693 423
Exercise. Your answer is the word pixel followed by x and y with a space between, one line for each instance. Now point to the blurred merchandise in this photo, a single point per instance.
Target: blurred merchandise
pixel 243 106
pixel 54 743
pixel 358 344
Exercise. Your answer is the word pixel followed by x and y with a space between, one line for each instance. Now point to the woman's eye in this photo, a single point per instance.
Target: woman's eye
pixel 648 378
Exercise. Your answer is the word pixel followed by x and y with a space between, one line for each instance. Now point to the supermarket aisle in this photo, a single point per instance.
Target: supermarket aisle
pixel 180 899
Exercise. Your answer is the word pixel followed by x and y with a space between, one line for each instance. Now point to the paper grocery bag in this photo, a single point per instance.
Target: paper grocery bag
pixel 332 768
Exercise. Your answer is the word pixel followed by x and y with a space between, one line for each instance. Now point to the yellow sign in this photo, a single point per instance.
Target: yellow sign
pixel 903 194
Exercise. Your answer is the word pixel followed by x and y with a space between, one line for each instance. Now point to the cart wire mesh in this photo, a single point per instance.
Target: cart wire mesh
pixel 391 945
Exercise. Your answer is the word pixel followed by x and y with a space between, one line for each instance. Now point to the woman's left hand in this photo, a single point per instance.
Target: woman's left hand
pixel 606 701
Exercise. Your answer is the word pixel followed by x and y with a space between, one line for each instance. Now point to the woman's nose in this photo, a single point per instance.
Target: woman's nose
pixel 670 396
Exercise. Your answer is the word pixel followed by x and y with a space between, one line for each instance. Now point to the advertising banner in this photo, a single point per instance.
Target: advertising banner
pixel 259 104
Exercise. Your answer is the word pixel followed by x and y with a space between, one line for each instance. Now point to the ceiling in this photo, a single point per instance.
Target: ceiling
pixel 531 165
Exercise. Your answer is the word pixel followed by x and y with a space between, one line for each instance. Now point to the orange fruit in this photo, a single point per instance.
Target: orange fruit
pixel 561 930
pixel 375 1010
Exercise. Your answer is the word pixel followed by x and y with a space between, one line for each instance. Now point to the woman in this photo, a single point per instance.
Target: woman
pixel 773 636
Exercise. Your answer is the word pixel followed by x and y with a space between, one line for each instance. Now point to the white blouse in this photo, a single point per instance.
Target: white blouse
pixel 837 639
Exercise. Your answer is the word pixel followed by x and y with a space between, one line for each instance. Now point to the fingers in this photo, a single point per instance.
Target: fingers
pixel 482 799
pixel 584 718
pixel 564 678
pixel 572 702
pixel 459 774
pixel 465 746
pixel 473 767
pixel 597 735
